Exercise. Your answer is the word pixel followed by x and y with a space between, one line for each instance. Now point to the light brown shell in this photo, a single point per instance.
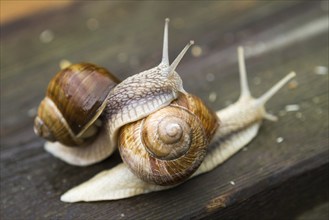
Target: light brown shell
pixel 75 98
pixel 167 146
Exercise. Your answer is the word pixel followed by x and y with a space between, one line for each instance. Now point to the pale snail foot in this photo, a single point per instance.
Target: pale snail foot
pixel 97 151
pixel 228 147
pixel 119 182
pixel 239 125
pixel 116 183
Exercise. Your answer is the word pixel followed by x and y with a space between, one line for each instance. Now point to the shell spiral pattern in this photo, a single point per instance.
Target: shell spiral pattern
pixel 167 146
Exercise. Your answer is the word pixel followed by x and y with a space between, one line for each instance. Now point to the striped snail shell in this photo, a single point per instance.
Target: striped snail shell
pixel 75 99
pixel 167 146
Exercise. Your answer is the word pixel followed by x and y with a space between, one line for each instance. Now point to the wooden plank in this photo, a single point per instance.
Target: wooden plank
pixel 271 179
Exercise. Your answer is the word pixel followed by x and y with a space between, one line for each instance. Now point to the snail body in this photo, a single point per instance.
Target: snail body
pixel 164 134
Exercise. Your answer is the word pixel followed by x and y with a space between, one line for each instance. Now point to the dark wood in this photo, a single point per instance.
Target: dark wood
pixel 271 180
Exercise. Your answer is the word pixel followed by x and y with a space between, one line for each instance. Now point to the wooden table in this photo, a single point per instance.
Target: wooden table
pixel 283 172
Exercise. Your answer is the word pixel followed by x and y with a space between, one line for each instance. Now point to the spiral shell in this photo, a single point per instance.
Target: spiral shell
pixel 74 100
pixel 167 146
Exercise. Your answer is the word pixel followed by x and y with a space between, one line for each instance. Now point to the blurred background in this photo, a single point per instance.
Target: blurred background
pixel 126 38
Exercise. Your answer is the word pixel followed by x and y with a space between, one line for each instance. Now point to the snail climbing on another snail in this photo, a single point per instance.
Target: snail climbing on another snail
pixel 135 98
pixel 164 134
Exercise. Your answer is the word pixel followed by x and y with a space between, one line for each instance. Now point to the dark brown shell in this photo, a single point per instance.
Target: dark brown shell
pixel 171 160
pixel 78 92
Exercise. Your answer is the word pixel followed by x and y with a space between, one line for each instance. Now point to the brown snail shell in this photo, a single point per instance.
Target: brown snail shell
pixel 167 146
pixel 75 98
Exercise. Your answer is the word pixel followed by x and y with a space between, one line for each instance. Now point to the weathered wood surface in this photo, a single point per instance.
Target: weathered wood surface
pixel 271 179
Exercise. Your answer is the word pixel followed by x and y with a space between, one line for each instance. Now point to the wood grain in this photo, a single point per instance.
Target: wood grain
pixel 270 179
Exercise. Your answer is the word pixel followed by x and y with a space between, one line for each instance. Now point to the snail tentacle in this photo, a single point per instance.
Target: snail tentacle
pixel 180 56
pixel 245 91
pixel 165 56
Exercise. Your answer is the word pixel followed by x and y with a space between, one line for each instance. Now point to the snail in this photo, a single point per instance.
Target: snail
pixel 70 114
pixel 164 134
